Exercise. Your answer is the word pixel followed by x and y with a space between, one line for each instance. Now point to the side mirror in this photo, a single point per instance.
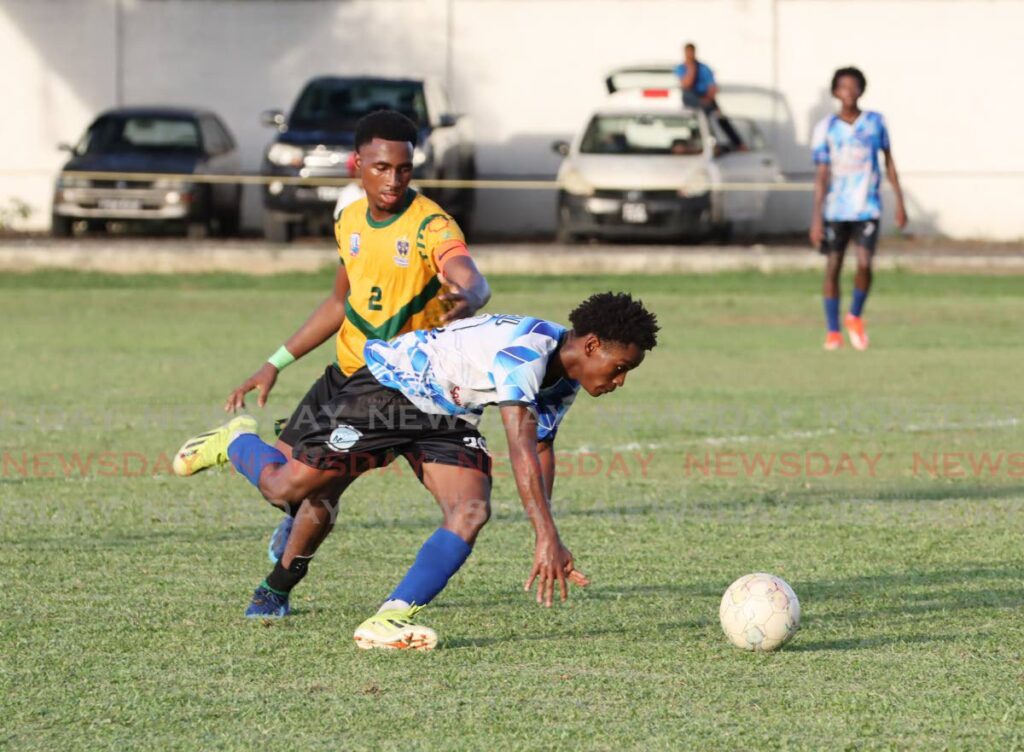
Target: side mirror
pixel 64 146
pixel 560 147
pixel 447 120
pixel 272 119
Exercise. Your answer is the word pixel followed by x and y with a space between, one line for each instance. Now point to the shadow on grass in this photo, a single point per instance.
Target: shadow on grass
pixel 574 634
pixel 868 643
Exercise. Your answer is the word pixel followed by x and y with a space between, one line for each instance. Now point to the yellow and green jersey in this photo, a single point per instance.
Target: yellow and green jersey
pixel 392 270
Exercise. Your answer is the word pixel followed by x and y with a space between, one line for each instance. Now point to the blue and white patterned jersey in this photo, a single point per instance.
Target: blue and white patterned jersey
pixel 851 151
pixel 487 360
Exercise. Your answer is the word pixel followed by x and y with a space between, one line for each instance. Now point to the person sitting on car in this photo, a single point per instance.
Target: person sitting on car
pixel 699 91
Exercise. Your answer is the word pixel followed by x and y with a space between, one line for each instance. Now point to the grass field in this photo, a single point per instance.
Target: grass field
pixel 124 586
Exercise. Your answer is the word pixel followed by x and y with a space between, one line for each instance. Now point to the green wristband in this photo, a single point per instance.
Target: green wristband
pixel 281 359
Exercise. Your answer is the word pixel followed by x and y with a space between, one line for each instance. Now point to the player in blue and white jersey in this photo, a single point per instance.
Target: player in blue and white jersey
pixel 847 204
pixel 421 396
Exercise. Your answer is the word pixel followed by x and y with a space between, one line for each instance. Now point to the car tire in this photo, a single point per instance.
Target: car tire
pixel 277 230
pixel 60 227
pixel 197 230
pixel 563 233
pixel 228 222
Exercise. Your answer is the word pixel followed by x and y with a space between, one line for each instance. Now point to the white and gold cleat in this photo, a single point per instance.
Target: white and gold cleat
pixel 394 630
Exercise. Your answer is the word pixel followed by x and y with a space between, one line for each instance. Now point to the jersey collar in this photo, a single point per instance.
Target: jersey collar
pixel 410 196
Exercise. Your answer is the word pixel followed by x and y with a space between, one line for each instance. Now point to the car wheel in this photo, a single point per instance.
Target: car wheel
pixel 197 230
pixel 563 233
pixel 60 227
pixel 228 222
pixel 278 230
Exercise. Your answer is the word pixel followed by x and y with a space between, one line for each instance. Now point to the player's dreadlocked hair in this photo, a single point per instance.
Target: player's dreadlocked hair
pixel 615 316
pixel 389 125
pixel 854 73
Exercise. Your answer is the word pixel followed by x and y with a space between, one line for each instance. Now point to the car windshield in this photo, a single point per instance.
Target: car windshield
pixel 338 105
pixel 643 134
pixel 117 133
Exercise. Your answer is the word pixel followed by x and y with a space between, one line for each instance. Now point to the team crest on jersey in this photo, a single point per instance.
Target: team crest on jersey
pixel 402 252
pixel 353 244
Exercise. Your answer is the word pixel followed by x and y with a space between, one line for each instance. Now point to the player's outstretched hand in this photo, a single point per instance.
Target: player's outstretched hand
pixel 553 562
pixel 463 303
pixel 263 381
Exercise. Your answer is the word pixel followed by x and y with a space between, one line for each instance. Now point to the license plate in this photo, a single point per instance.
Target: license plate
pixel 120 204
pixel 635 213
pixel 328 192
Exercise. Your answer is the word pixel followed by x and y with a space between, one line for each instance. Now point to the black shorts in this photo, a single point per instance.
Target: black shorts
pixel 353 424
pixel 839 234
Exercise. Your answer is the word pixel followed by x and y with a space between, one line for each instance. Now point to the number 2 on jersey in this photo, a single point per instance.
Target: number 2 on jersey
pixel 376 294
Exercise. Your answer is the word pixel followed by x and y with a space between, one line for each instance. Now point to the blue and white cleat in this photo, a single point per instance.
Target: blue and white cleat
pixel 279 539
pixel 266 604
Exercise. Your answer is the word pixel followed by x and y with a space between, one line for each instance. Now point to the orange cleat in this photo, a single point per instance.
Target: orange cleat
pixel 856 332
pixel 833 340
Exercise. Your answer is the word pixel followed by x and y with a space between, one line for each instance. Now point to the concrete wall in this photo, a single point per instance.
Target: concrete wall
pixel 529 71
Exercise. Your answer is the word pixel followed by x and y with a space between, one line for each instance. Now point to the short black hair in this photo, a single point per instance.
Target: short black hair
pixel 617 317
pixel 690 45
pixel 389 125
pixel 853 73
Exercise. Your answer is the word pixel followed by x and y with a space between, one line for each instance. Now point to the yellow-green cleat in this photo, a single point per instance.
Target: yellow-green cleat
pixel 211 448
pixel 394 630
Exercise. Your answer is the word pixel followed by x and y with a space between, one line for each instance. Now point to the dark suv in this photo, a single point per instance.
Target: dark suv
pixel 315 141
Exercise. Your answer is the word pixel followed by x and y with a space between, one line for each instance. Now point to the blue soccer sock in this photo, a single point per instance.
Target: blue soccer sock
pixel 250 454
pixel 439 558
pixel 857 306
pixel 832 314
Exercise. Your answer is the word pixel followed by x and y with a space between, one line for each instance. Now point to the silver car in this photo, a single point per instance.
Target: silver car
pixel 645 166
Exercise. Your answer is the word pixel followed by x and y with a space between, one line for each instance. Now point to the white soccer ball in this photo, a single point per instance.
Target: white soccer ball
pixel 759 612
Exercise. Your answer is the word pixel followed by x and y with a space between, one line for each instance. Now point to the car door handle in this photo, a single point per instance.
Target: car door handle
pixel 767 161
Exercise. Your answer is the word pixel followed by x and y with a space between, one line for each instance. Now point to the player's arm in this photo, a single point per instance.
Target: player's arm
pixel 466 289
pixel 552 561
pixel 546 453
pixel 821 178
pixel 322 324
pixel 894 181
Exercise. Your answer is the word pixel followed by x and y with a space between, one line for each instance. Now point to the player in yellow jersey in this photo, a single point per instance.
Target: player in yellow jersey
pixel 404 266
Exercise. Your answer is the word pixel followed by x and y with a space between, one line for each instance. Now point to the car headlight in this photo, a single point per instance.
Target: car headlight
pixel 574 183
pixel 72 181
pixel 697 183
pixel 420 156
pixel 285 155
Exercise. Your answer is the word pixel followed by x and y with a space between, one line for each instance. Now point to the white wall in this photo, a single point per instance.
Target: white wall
pixel 529 71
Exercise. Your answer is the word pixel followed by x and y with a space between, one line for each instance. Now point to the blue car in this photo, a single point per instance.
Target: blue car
pixel 316 139
pixel 150 140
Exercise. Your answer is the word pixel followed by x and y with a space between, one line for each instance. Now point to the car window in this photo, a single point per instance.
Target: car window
pixel 746 128
pixel 643 134
pixel 338 105
pixel 136 133
pixel 215 138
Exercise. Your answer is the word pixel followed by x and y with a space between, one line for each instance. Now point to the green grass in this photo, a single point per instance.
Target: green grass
pixel 124 587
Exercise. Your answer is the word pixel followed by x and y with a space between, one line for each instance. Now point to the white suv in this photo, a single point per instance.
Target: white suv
pixel 645 166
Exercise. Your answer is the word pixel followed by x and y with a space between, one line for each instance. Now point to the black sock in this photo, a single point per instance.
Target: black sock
pixel 282 580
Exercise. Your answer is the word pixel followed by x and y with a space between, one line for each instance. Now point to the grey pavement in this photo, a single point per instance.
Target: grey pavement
pixel 130 255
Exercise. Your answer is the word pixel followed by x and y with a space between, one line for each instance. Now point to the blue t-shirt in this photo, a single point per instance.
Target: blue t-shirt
pixel 851 152
pixel 469 364
pixel 704 81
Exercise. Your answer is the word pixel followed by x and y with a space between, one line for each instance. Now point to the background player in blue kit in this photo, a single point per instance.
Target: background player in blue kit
pixel 847 204
pixel 421 396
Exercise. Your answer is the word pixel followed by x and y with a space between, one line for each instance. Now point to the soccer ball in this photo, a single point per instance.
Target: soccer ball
pixel 759 612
